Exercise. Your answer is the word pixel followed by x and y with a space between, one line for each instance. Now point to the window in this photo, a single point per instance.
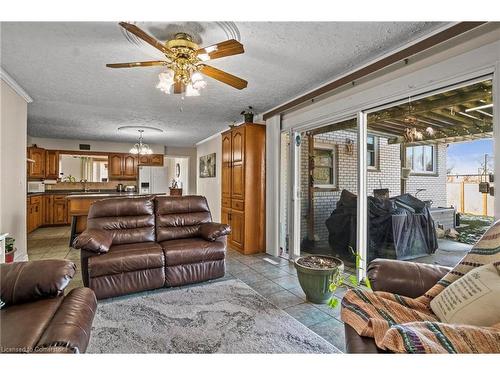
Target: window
pixel 372 154
pixel 421 159
pixel 325 166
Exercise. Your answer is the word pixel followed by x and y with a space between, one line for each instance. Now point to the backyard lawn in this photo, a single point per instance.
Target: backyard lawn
pixel 472 227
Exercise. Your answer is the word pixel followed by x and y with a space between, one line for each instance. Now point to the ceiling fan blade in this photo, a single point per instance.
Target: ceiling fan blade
pixel 228 48
pixel 136 64
pixel 179 88
pixel 224 77
pixel 144 36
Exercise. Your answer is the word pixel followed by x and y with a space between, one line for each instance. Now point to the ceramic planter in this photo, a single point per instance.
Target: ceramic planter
pixel 315 281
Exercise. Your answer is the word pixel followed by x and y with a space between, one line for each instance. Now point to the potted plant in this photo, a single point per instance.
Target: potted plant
pixel 9 249
pixel 316 274
pixel 339 280
pixel 248 114
pixel 321 275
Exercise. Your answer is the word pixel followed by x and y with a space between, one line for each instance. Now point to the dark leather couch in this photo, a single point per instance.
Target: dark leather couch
pixel 37 317
pixel 144 243
pixel 395 276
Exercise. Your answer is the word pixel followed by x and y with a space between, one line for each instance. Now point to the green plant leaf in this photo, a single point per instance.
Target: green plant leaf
pixel 368 283
pixel 333 303
pixel 353 280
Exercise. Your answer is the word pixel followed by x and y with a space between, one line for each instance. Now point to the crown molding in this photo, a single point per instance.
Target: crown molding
pixel 213 136
pixel 14 85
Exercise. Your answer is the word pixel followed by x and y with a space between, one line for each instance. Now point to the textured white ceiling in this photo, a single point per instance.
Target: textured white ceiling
pixel 62 66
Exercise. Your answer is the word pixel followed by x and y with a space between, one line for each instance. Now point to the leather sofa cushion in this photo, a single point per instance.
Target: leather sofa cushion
pixel 192 250
pixel 29 281
pixel 212 231
pixel 71 325
pixel 180 217
pixel 95 240
pixel 24 324
pixel 130 220
pixel 129 282
pixel 126 258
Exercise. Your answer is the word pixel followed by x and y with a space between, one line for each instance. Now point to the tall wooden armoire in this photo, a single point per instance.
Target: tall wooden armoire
pixel 244 186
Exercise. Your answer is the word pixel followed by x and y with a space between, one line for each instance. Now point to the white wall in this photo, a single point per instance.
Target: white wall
pixel 73 145
pixel 13 130
pixel 210 187
pixel 189 152
pixel 184 171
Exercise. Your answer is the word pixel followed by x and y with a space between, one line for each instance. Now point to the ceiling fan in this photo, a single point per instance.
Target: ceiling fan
pixel 184 61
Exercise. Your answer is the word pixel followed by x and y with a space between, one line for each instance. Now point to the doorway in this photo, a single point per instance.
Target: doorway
pixel 431 179
pixel 178 172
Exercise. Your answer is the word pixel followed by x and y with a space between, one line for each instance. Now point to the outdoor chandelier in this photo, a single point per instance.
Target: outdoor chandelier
pixel 141 148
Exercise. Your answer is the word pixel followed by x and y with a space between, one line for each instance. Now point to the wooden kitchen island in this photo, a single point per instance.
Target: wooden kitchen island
pixel 79 205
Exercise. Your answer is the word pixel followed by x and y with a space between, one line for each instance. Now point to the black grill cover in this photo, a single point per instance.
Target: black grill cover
pixel 399 228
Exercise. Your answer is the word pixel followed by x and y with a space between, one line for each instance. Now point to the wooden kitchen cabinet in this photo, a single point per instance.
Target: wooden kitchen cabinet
pixel 122 167
pixel 114 166
pixel 243 186
pixel 60 210
pixel 52 164
pixel 153 160
pixel 34 213
pixel 48 210
pixel 36 168
pixel 129 167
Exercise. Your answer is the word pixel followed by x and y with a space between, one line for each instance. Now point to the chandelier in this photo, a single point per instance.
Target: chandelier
pixel 141 148
pixel 411 133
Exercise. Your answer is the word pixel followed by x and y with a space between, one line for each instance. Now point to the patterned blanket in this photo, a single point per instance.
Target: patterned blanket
pixel 408 325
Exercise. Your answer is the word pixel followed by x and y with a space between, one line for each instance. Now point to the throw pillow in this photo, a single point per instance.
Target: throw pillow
pixel 473 299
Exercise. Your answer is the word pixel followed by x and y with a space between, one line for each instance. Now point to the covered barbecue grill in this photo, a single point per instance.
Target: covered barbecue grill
pixel 400 227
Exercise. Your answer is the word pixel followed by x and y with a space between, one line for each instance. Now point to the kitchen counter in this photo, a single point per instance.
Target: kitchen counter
pixel 68 192
pixel 105 195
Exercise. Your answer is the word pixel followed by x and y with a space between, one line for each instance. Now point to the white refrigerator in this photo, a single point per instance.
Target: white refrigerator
pixel 153 180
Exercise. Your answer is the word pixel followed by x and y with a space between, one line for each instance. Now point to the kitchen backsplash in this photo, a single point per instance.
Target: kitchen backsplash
pixel 90 185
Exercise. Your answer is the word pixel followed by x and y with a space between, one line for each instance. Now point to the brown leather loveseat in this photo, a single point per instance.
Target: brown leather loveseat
pixel 394 276
pixel 37 317
pixel 143 243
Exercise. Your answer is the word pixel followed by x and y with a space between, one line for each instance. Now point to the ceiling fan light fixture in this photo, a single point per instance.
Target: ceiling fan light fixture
pixel 191 91
pixel 184 62
pixel 197 81
pixel 166 80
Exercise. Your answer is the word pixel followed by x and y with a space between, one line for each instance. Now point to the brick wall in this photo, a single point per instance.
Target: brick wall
pixel 435 185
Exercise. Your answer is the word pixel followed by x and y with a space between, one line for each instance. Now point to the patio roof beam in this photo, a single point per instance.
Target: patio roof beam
pixel 400 112
pixel 486 133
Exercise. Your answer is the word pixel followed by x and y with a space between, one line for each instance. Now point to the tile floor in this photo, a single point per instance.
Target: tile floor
pixel 277 282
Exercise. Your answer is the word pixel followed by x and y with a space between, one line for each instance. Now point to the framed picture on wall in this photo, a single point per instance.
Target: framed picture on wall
pixel 207 165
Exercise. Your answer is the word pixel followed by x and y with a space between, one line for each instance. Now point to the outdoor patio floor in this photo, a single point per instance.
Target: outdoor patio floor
pixel 274 278
pixel 448 253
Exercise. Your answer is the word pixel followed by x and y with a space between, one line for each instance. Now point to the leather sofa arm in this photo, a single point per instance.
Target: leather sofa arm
pixel 30 281
pixel 212 231
pixel 404 278
pixel 94 240
pixel 69 329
